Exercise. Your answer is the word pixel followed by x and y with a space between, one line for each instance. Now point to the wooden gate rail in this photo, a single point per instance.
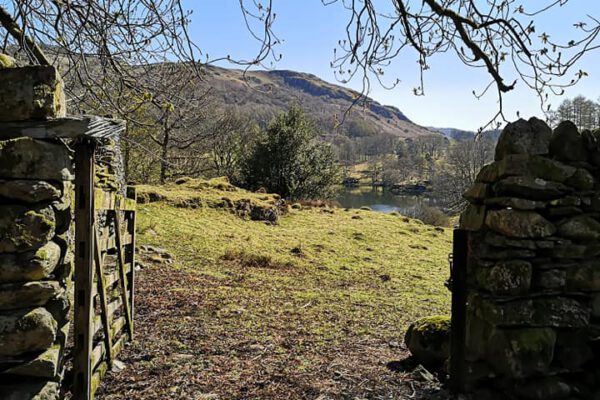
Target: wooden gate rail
pixel 104 275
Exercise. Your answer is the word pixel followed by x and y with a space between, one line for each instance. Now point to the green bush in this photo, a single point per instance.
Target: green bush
pixel 288 159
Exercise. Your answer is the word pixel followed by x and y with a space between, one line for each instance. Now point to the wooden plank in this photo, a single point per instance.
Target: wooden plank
pixel 122 274
pixel 110 278
pixel 97 378
pixel 106 200
pixel 101 284
pixel 119 344
pixel 98 354
pixel 117 326
pixel 114 306
pixel 89 126
pixel 97 325
pixel 84 268
pixel 459 310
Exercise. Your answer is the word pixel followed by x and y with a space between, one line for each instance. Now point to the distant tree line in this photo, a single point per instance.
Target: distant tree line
pixel 583 112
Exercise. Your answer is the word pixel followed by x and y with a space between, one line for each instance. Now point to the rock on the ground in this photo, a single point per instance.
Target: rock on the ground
pixel 428 339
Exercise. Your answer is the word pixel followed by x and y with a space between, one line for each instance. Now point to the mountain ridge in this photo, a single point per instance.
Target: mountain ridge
pixel 264 93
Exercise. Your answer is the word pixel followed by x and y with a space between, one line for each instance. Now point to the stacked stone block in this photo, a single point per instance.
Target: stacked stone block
pixel 533 313
pixel 35 239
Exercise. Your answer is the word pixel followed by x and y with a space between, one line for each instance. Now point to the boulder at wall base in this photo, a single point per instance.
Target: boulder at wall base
pixel 567 143
pixel 25 331
pixel 26 158
pixel 30 391
pixel 30 266
pixel 519 224
pixel 25 228
pixel 428 340
pixel 524 137
pixel 521 352
pixel 44 364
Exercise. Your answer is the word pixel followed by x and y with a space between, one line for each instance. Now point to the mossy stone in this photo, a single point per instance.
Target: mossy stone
pixel 428 339
pixel 31 92
pixel 511 277
pixel 26 331
pixel 33 265
pixel 28 294
pixel 581 227
pixel 567 143
pixel 519 224
pixel 26 158
pixel 29 191
pixel 521 352
pixel 24 229
pixel 524 137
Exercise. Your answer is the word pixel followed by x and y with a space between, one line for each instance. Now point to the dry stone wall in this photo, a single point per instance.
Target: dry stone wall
pixel 533 313
pixel 36 234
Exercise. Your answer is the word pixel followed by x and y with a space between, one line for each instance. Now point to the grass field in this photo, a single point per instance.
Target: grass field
pixel 316 305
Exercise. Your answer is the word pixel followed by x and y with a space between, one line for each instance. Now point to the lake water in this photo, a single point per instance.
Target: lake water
pixel 380 200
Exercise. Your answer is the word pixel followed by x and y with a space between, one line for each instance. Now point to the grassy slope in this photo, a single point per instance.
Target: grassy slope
pixel 322 286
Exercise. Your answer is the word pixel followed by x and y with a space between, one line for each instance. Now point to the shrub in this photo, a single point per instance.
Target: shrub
pixel 432 216
pixel 288 159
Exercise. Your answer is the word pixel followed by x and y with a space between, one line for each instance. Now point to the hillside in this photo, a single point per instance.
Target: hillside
pixel 462 135
pixel 314 306
pixel 265 93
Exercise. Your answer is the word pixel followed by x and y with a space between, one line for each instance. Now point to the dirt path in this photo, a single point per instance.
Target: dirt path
pixel 180 353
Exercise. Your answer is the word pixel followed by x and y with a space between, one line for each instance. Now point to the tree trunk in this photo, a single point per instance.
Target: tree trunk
pixel 164 155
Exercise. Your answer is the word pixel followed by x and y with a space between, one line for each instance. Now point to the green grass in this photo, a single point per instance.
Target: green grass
pixel 323 277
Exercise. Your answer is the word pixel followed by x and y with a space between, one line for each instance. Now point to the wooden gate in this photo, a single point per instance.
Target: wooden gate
pixel 104 275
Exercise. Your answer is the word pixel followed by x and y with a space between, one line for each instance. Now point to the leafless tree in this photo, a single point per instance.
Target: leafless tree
pixel 463 162
pixel 126 36
pixel 501 36
pixel 232 138
pixel 181 123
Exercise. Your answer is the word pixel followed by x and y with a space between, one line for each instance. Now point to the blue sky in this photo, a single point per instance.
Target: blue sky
pixel 310 32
